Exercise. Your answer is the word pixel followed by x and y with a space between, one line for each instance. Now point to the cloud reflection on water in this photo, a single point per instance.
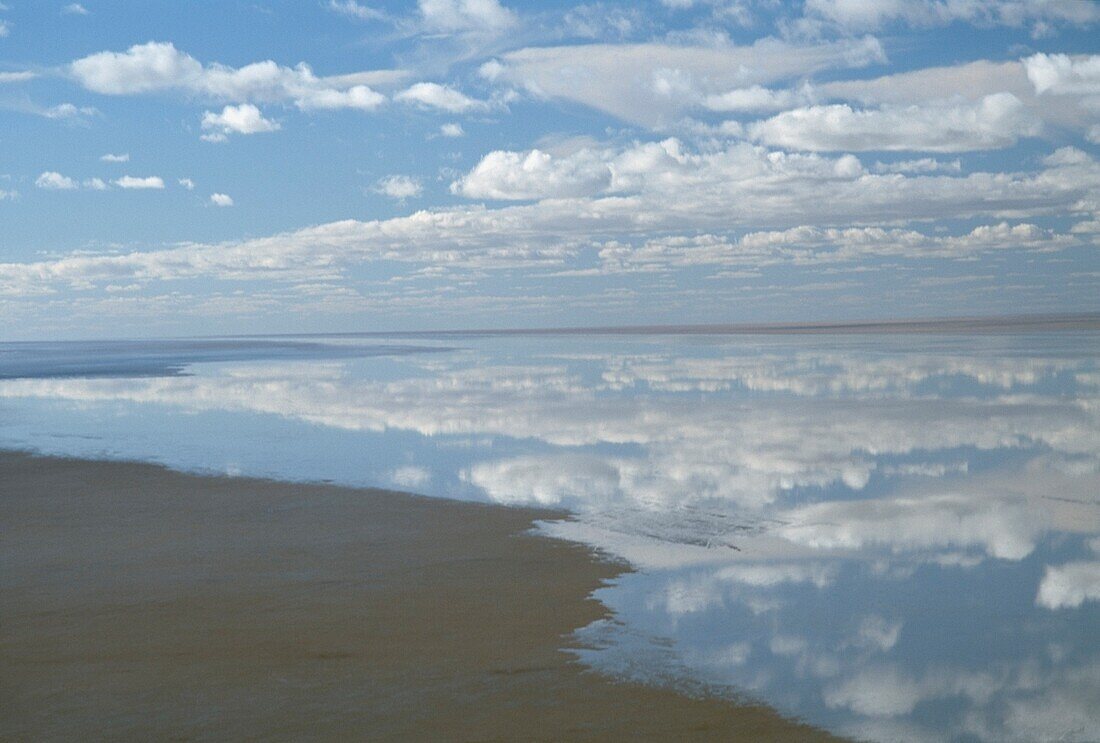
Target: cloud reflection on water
pixel 894 540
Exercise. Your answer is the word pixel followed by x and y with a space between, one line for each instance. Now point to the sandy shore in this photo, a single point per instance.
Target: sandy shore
pixel 141 604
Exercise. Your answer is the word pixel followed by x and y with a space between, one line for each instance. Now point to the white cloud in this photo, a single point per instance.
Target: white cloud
pixel 452 130
pixel 359 97
pixel 809 244
pixel 465 16
pixel 66 111
pixel 758 98
pixel 442 97
pixel 654 84
pixel 242 119
pixel 159 66
pixel 54 181
pixel 491 70
pixel 1060 73
pixel 781 199
pixel 132 182
pixel 399 187
pixel 16 77
pixel 111 158
pixel 74 9
pixel 221 199
pixel 921 165
pixel 664 183
pixel 187 183
pixel 356 10
pixel 970 82
pixel 5 29
pixel 534 175
pixel 1069 585
pixel 141 69
pixel 997 121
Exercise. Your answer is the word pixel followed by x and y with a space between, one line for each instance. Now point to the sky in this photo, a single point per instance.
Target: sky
pixel 173 168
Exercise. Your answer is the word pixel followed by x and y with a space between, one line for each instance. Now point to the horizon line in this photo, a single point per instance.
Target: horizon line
pixel 958 324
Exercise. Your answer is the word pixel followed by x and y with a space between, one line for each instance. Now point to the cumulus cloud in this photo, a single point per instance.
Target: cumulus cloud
pixel 968 83
pixel 534 175
pixel 452 130
pixel 243 119
pixel 143 68
pixel 656 186
pixel 465 16
pixel 358 97
pixel 997 121
pixel 187 183
pixel 758 98
pixel 441 97
pixel 53 181
pixel 1069 585
pixel 399 187
pixel 741 183
pixel 921 165
pixel 159 66
pixel 807 244
pixel 133 182
pixel 74 9
pixel 1060 73
pixel 112 158
pixel 65 111
pixel 221 199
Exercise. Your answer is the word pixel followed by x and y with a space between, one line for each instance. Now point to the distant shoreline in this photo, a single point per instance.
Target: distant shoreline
pixel 948 325
pixel 989 325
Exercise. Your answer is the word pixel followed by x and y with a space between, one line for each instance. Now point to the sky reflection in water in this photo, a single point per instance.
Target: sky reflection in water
pixel 893 537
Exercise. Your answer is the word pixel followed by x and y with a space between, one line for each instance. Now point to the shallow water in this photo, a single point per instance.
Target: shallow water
pixel 894 537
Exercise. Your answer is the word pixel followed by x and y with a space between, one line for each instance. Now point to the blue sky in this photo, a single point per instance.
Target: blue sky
pixel 181 168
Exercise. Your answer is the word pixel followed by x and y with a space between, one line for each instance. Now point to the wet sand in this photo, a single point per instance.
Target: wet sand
pixel 138 603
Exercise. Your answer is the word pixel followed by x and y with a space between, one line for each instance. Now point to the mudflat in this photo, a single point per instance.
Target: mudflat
pixel 137 603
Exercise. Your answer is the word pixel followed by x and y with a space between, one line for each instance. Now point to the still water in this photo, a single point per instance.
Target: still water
pixel 893 537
